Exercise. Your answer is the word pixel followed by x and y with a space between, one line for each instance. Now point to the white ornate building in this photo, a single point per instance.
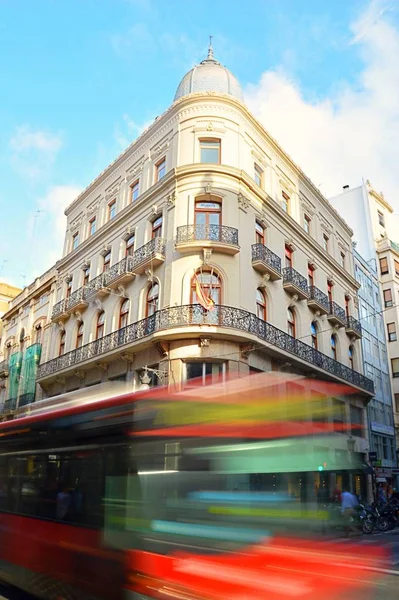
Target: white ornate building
pixel 205 191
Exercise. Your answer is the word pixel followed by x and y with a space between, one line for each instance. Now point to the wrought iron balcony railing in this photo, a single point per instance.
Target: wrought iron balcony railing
pixel 212 233
pixel 335 310
pixel 93 286
pixel 262 253
pixel 75 299
pixel 291 276
pixel 120 270
pixel 354 325
pixel 318 297
pixel 58 309
pixel 195 315
pixel 155 246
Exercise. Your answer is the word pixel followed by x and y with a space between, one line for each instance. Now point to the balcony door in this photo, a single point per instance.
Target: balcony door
pixel 207 221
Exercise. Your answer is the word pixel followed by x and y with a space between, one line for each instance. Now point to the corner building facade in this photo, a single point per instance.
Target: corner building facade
pixel 206 194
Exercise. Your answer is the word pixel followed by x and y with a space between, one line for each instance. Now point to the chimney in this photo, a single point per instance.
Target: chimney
pixel 345 188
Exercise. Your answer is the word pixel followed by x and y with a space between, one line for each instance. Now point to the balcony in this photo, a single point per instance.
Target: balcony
pixel 95 288
pixel 120 273
pixel 318 300
pixel 149 256
pixel 76 301
pixel 266 262
pixel 220 238
pixel 193 315
pixel 10 405
pixel 295 283
pixel 59 311
pixel 353 328
pixel 336 315
pixel 3 369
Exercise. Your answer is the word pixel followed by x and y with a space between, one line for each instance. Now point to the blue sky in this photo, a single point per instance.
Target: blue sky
pixel 80 79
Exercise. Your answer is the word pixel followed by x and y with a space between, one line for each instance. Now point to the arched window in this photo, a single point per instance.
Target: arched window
pixel 211 286
pixel 261 304
pixel 61 349
pixel 152 303
pixel 124 313
pixel 350 356
pixel 79 335
pixel 100 325
pixel 313 332
pixel 333 346
pixel 291 322
pixel 38 334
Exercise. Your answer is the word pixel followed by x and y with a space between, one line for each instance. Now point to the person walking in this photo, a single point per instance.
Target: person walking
pixel 349 504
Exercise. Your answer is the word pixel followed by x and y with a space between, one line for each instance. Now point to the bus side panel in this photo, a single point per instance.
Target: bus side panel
pixel 51 559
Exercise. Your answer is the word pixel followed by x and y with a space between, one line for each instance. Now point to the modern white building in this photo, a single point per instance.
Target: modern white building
pixel 206 207
pixel 376 231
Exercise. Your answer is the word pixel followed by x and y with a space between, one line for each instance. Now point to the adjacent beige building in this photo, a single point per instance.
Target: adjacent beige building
pixel 205 202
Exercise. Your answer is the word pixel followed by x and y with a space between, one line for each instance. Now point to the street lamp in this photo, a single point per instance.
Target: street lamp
pixel 146 379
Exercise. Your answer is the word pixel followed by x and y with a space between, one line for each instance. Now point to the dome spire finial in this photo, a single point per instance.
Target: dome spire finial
pixel 210 49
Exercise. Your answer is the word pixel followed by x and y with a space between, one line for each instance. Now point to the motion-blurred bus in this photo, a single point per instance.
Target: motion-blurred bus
pixel 213 492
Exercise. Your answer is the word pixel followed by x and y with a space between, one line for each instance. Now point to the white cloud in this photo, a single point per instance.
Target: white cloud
pixel 354 132
pixel 126 132
pixel 33 152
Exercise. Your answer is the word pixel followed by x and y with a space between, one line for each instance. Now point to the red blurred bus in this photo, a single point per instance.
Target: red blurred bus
pixel 208 493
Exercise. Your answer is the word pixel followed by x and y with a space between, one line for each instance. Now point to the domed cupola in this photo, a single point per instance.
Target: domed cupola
pixel 209 76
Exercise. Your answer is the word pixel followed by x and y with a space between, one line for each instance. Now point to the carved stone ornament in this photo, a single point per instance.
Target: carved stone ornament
pixel 154 210
pixel 163 348
pixel 93 207
pixel 127 357
pixel 112 192
pixel 208 188
pixel 98 304
pixel 61 325
pixel 150 274
pixel 246 349
pixel 265 279
pixel 79 374
pixel 76 222
pixel 210 127
pixel 207 254
pixel 68 278
pixel 122 291
pixel 294 299
pixel 102 366
pixel 78 315
pixel 205 342
pixel 58 284
pixel 105 249
pixel 243 202
pixel 171 200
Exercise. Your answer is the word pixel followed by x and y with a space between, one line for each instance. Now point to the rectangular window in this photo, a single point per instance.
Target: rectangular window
pixel 160 170
pixel 285 203
pixel 130 245
pixel 86 275
pixel 381 219
pixel 134 191
pixel 306 223
pixel 210 151
pixel 388 297
pixel 325 242
pixel 396 265
pixel 92 226
pixel 357 421
pixel 157 228
pixel 258 175
pixel 395 367
pixel 111 210
pixel 397 403
pixel 259 233
pixel 392 332
pixel 343 259
pixel 288 257
pixel 330 291
pixel 75 240
pixel 69 288
pixel 310 275
pixel 205 372
pixel 43 299
pixel 107 262
pixel 384 266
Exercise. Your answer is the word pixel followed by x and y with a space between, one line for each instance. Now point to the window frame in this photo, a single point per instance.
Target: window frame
pixel 160 169
pixel 107 261
pixel 343 260
pixel 68 290
pixel 152 307
pixel 154 230
pixel 261 304
pixel 209 210
pixel 381 218
pixel 79 335
pixel 285 202
pixel 326 241
pixel 75 240
pixel 306 223
pixel 129 250
pixel 124 313
pixel 288 257
pixel 135 187
pixel 258 175
pixel 111 210
pixel 61 345
pixel 92 222
pixel 311 271
pixel 384 260
pixel 291 322
pixel 100 325
pixel 86 275
pixel 207 286
pixel 333 346
pixel 217 141
pixel 313 335
pixel 351 356
pixel 396 266
pixel 259 233
pixel 387 303
pixel 392 335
